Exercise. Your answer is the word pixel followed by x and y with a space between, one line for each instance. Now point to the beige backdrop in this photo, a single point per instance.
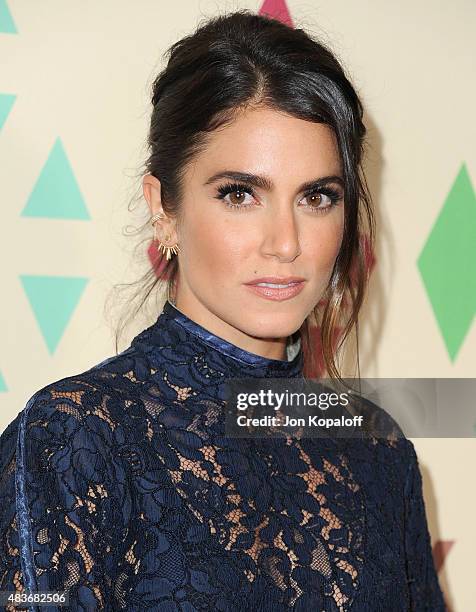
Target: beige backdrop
pixel 81 71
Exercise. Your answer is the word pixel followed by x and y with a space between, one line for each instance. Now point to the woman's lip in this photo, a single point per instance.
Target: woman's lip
pixel 277 293
pixel 277 280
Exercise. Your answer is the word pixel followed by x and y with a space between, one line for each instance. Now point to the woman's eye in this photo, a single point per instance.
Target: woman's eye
pixel 235 196
pixel 315 199
pixel 322 200
pixel 238 196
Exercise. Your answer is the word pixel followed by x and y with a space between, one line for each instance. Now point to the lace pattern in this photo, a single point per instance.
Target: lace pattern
pixel 120 486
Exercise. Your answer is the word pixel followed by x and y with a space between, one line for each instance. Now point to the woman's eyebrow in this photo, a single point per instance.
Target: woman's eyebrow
pixel 264 182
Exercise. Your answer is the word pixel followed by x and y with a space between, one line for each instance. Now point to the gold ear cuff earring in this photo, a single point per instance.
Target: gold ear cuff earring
pixel 168 251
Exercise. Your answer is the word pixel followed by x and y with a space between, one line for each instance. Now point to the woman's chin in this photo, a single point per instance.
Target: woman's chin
pixel 271 326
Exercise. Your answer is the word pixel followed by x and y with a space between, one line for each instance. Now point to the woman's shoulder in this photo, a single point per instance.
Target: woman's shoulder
pixel 70 432
pixel 89 401
pixel 361 418
pixel 375 441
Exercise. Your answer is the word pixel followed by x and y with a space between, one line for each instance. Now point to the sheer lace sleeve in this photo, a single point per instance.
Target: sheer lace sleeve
pixel 423 582
pixel 64 496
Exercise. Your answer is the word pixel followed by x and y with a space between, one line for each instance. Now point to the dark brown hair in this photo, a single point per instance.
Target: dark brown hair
pixel 243 60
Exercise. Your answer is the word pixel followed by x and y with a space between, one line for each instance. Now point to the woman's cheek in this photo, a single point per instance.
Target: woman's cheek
pixel 206 253
pixel 323 244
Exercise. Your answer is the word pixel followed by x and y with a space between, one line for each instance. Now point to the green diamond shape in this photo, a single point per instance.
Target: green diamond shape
pixel 447 263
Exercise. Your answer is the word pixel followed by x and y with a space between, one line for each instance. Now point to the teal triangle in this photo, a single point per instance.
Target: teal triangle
pixel 7 26
pixel 3 386
pixel 56 193
pixel 6 103
pixel 53 300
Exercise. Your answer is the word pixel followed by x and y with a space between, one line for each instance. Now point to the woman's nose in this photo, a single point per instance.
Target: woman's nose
pixel 281 235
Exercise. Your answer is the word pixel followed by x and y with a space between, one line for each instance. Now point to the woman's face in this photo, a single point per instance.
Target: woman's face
pixel 280 229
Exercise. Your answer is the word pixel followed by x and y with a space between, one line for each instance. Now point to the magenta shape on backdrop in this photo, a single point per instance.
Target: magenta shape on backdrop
pixel 278 10
pixel 158 260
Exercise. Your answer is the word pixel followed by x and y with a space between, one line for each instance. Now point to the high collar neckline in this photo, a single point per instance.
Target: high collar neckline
pixel 175 330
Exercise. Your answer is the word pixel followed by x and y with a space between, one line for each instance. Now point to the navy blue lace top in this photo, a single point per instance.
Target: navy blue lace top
pixel 119 486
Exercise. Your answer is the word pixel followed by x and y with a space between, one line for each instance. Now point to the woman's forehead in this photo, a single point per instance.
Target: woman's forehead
pixel 270 143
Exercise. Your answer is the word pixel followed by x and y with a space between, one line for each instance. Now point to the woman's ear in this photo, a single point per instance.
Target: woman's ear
pixel 151 191
pixel 152 194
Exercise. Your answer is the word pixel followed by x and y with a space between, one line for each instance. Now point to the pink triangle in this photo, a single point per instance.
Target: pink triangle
pixel 158 261
pixel 278 10
pixel 440 551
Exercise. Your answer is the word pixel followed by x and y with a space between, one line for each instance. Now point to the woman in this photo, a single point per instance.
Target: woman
pixel 120 485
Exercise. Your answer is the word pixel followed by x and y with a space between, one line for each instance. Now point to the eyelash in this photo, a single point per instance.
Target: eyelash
pixel 227 188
